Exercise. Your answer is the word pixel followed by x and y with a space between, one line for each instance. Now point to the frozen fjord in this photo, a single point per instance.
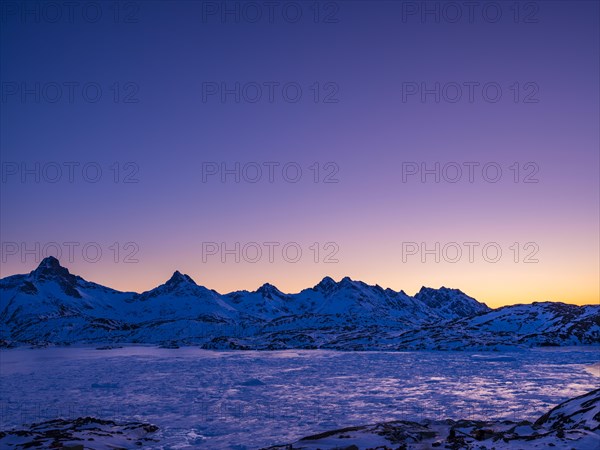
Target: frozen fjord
pixel 252 399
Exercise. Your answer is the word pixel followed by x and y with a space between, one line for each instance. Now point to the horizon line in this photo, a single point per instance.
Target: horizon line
pixel 50 259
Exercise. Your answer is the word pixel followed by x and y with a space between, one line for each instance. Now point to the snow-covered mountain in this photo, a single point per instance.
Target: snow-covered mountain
pixel 51 305
pixel 536 324
pixel 450 303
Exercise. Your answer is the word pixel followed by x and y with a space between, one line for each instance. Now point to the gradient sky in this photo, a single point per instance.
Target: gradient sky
pixel 170 51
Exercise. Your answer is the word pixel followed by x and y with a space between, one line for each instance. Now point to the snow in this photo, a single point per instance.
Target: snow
pixel 51 305
pixel 251 399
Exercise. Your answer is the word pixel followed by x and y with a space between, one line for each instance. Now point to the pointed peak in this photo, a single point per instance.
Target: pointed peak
pixel 49 262
pixel 325 284
pixel 179 278
pixel 346 280
pixel 425 291
pixel 50 267
pixel 267 289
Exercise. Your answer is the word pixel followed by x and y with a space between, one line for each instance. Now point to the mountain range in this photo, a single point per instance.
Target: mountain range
pixel 52 306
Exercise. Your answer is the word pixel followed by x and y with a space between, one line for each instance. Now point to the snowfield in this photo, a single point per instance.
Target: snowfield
pixel 248 399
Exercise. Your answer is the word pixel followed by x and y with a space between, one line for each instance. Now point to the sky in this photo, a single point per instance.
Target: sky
pixel 404 144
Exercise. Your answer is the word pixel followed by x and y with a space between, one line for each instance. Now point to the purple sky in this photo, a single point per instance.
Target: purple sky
pixel 546 64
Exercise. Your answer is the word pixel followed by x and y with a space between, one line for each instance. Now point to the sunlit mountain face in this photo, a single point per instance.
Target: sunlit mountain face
pixel 302 225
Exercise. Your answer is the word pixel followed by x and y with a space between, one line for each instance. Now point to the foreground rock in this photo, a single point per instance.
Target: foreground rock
pixel 574 424
pixel 81 433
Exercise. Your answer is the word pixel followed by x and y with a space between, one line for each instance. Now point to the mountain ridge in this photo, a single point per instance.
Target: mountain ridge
pixel 51 305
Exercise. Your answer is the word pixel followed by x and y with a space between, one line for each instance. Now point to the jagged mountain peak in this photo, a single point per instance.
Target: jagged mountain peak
pixel 268 288
pixel 181 309
pixel 443 293
pixel 179 286
pixel 451 302
pixel 179 278
pixel 50 270
pixel 49 262
pixel 329 286
pixel 50 267
pixel 348 282
pixel 442 289
pixel 326 284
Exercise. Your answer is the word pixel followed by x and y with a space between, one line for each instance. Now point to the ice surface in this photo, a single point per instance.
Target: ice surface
pixel 250 399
